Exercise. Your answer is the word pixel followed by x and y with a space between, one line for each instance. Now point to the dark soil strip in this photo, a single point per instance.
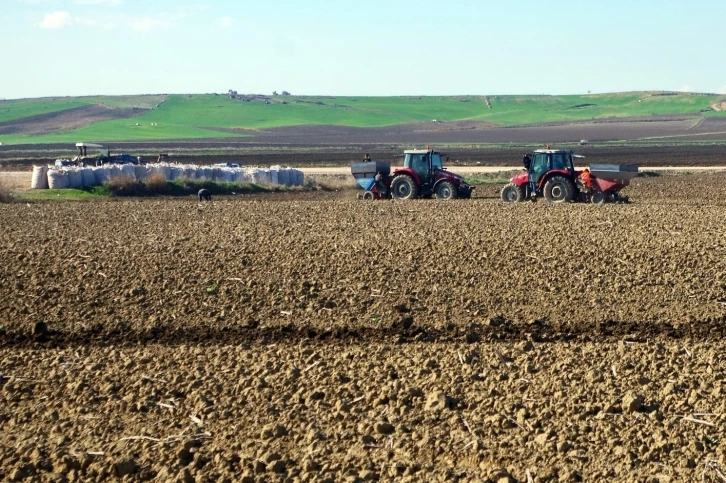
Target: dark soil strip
pixel 498 330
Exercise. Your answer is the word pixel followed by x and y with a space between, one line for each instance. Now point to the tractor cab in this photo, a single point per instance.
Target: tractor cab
pixel 424 163
pixel 547 161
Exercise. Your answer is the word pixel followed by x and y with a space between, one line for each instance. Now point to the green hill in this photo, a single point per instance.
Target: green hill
pixel 217 116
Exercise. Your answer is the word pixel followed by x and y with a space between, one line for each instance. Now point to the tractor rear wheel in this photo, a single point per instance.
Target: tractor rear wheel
pixel 512 193
pixel 403 187
pixel 446 191
pixel 559 189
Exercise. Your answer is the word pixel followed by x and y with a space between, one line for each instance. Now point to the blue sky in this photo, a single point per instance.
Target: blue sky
pixel 373 47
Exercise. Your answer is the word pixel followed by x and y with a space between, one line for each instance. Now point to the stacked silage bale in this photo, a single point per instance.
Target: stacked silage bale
pixel 39 179
pixel 72 177
pixel 58 179
pixel 141 171
pixel 75 178
pixel 88 177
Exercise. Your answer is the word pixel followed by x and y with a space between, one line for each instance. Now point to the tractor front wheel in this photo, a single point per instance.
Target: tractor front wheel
pixel 368 195
pixel 559 189
pixel 512 193
pixel 403 187
pixel 446 191
pixel 598 198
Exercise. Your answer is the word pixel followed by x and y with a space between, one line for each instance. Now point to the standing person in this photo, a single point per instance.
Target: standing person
pixel 380 185
pixel 527 161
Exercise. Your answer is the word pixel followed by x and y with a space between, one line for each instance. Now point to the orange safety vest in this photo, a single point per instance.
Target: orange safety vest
pixel 585 177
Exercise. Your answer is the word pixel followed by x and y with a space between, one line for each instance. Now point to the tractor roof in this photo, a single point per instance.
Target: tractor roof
pixel 420 151
pixel 553 151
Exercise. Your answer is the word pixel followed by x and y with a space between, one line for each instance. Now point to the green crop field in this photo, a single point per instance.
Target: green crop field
pixel 218 116
pixel 12 110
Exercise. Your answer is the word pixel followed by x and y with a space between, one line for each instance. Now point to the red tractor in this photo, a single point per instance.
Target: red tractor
pixel 423 175
pixel 551 173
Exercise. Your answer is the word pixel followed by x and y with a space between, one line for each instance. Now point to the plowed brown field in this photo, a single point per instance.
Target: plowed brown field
pixel 332 339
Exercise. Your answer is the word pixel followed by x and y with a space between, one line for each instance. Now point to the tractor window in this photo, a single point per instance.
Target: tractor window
pixel 419 163
pixel 540 165
pixel 559 161
pixel 436 161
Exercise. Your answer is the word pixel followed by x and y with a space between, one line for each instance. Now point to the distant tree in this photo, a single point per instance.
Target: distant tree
pixel 285 93
pixel 232 94
pixel 274 93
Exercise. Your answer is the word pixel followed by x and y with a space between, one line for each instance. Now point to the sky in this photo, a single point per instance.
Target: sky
pixel 360 48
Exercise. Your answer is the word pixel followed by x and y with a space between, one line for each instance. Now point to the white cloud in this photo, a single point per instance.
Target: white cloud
pixel 686 88
pixel 226 22
pixel 160 20
pixel 56 20
pixel 147 24
pixel 98 2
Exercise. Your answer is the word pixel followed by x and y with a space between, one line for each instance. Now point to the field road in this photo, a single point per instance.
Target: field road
pixel 21 179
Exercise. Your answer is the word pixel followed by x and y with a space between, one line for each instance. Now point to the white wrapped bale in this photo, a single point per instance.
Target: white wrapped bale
pixel 274 176
pixel 39 180
pixel 283 177
pixel 176 172
pixel 57 179
pixel 88 178
pixel 206 173
pixel 217 174
pixel 227 176
pixel 102 174
pixel 127 170
pixel 75 178
pixel 165 170
pixel 140 171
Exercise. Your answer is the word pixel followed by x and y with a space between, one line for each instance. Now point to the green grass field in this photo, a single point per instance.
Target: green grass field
pixel 213 116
